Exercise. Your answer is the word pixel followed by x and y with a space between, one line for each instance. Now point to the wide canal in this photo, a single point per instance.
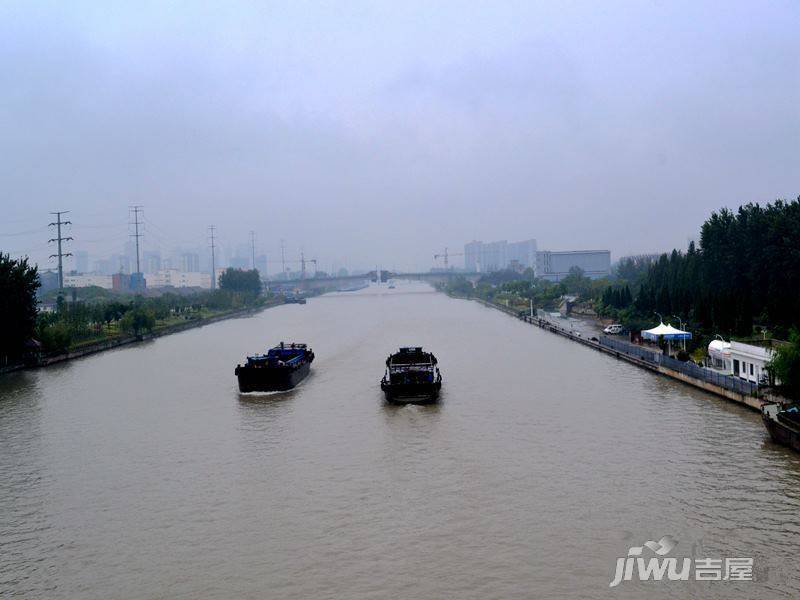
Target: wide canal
pixel 143 473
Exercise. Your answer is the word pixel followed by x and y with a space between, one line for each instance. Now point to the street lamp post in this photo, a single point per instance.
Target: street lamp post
pixel 680 322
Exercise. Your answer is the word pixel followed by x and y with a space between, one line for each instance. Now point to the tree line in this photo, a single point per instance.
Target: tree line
pixel 101 314
pixel 743 279
pixel 746 273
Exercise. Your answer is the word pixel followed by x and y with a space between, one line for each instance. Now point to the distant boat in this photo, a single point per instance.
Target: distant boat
pixel 411 376
pixel 783 424
pixel 281 368
pixel 294 300
pixel 353 288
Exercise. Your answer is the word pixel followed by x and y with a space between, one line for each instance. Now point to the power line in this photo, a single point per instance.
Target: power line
pixel 30 231
pixel 58 223
pixel 166 238
pixel 27 251
pixel 152 224
pixel 100 241
pixel 105 226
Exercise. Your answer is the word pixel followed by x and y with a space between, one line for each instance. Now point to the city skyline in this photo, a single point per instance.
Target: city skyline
pixel 618 126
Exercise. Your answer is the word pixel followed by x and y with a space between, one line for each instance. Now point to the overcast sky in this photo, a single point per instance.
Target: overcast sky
pixel 379 133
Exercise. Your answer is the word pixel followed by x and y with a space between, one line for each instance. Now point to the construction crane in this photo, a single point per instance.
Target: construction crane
pixel 446 255
pixel 303 260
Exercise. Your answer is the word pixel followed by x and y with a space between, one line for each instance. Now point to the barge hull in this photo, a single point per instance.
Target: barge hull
pixel 411 393
pixel 271 380
pixel 782 434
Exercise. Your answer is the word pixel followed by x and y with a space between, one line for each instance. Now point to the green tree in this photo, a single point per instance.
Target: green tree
pixel 785 365
pixel 238 280
pixel 459 286
pixel 745 272
pixel 632 270
pixel 18 284
pixel 576 282
pixel 56 337
pixel 138 320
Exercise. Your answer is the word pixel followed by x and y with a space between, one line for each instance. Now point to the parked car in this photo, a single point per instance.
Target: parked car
pixel 613 329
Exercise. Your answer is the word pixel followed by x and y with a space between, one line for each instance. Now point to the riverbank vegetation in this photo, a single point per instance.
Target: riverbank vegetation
pixel 742 281
pixel 77 323
pixel 18 284
pixel 745 274
pixel 85 316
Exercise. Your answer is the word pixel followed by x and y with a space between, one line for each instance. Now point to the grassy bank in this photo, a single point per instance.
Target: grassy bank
pixel 115 336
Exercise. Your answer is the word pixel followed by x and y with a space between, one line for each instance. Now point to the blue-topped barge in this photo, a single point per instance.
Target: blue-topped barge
pixel 280 369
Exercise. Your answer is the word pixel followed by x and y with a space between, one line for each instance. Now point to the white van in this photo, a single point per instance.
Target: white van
pixel 613 329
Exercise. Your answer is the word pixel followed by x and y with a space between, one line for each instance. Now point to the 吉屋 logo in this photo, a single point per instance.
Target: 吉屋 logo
pixel 675 569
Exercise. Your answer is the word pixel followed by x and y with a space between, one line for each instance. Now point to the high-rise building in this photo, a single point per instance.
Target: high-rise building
pixel 104 266
pixel 524 253
pixel 122 263
pixel 81 261
pixel 472 256
pixel 151 261
pixel 129 253
pixel 496 256
pixel 190 262
pixel 239 262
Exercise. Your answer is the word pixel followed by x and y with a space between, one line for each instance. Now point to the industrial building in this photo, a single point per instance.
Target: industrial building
pixel 88 280
pixel 178 279
pixel 128 282
pixel 480 257
pixel 554 266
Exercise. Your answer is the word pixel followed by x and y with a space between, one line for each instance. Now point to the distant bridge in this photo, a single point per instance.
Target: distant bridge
pixel 315 283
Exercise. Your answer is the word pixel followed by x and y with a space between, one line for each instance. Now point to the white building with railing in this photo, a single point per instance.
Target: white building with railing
pixel 749 361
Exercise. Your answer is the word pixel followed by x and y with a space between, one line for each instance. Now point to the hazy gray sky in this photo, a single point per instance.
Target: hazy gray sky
pixel 382 132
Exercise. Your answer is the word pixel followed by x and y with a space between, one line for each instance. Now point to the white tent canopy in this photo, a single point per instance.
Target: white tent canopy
pixel 668 332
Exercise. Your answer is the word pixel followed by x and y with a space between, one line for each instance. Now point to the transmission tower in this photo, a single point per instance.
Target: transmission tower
pixel 58 223
pixel 253 247
pixel 136 210
pixel 283 258
pixel 212 239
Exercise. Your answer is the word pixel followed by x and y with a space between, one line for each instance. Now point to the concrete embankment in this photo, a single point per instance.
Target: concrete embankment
pixel 751 400
pixel 116 342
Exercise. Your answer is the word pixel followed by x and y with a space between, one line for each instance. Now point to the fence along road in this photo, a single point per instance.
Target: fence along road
pixel 728 386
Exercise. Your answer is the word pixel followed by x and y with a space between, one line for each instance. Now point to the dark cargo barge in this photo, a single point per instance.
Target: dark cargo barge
pixel 783 424
pixel 280 369
pixel 411 376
